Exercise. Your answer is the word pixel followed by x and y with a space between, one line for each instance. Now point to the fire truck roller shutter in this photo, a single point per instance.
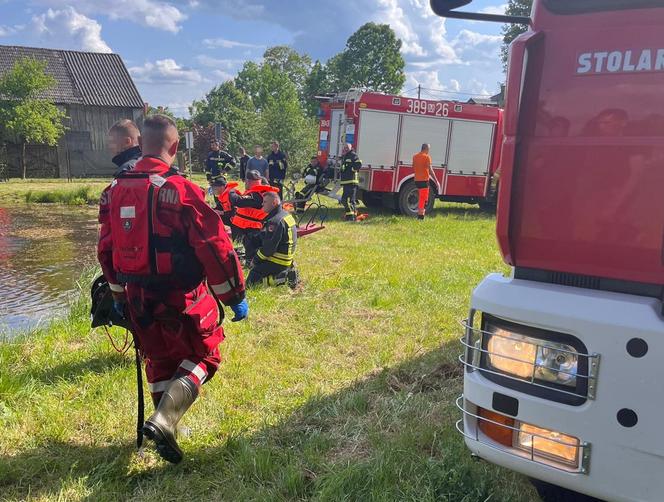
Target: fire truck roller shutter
pixel 470 148
pixel 418 130
pixel 377 140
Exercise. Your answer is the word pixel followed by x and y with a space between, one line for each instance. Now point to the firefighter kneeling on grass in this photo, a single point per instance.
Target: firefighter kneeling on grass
pixel 273 264
pixel 160 246
pixel 350 165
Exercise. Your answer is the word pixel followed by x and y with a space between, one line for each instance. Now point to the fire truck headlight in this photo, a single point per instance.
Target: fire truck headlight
pixel 530 358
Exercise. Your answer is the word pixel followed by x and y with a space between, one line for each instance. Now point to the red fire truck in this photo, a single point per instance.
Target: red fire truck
pixel 388 130
pixel 563 358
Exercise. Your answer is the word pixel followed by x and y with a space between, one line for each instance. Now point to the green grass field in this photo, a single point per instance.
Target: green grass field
pixel 341 390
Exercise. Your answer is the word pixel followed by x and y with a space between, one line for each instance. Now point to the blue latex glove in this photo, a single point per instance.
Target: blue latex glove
pixel 241 310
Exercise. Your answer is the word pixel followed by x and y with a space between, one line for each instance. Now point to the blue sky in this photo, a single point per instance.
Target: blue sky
pixel 177 50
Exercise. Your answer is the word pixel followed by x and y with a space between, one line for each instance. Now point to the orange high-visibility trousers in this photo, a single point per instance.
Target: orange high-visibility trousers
pixel 423 199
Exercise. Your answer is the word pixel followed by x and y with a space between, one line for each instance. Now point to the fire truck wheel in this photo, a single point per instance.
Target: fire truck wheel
pixel 408 197
pixel 553 493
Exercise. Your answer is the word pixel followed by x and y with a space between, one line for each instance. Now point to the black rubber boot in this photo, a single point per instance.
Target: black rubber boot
pixel 293 277
pixel 161 427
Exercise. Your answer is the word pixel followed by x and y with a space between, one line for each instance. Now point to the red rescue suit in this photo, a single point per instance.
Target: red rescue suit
pixel 160 238
pixel 248 217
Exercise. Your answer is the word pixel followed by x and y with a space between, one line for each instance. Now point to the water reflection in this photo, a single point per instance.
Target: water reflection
pixel 43 251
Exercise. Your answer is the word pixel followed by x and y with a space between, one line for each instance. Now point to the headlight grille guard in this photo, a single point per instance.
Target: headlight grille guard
pixel 584 447
pixel 471 360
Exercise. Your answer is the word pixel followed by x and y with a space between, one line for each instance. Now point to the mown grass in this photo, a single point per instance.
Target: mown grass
pixel 341 390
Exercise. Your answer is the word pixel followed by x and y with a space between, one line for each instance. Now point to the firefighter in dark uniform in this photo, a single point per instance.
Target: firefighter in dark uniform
pixel 350 165
pixel 273 263
pixel 277 164
pixel 311 175
pixel 218 162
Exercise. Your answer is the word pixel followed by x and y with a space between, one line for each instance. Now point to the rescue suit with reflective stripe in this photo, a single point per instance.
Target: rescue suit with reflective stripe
pixel 161 241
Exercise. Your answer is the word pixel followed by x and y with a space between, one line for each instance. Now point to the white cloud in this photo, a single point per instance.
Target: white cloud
pixel 165 71
pixel 392 14
pixel 475 46
pixel 68 29
pixel 8 31
pixel 153 13
pixel 223 75
pixel 228 44
pixel 210 62
pixel 494 9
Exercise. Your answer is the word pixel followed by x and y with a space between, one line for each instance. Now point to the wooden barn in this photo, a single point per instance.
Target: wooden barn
pixel 94 90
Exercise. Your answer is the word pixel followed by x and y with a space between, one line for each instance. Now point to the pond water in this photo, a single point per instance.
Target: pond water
pixel 44 249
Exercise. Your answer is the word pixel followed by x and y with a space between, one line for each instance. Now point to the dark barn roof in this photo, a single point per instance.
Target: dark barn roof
pixel 83 78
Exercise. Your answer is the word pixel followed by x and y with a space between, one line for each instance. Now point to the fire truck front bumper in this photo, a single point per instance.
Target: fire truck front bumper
pixel 566 385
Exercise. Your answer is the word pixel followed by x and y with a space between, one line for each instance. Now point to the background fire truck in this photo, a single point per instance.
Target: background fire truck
pixel 388 130
pixel 563 358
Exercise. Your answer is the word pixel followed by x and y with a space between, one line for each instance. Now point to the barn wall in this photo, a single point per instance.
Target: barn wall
pixel 80 153
pixel 85 152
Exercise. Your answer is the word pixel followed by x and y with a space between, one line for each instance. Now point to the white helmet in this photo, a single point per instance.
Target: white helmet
pixel 310 179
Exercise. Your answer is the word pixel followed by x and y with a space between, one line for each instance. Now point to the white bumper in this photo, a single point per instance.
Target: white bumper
pixel 625 464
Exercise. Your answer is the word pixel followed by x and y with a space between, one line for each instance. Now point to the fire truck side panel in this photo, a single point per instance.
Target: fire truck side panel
pixel 462 185
pixel 417 130
pixel 589 168
pixel 382 180
pixel 470 148
pixel 377 138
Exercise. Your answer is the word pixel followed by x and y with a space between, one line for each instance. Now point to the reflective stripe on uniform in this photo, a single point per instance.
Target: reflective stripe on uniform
pixel 157 387
pixel 221 289
pixel 195 369
pixel 116 288
pixel 286 262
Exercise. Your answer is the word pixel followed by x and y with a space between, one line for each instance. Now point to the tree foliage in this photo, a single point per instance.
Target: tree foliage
pixel 372 59
pixel 274 99
pixel 25 116
pixel 511 31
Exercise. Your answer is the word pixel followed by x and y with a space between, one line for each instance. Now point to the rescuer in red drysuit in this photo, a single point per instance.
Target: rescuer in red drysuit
pixel 160 247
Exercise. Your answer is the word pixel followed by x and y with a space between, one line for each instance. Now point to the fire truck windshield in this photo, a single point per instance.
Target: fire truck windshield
pixel 582 6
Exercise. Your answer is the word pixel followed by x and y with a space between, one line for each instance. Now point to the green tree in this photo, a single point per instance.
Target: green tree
pixel 511 31
pixel 371 59
pixel 25 116
pixel 316 84
pixel 290 62
pixel 228 105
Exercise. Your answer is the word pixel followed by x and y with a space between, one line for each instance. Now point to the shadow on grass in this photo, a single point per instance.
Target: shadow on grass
pixel 74 370
pixel 389 436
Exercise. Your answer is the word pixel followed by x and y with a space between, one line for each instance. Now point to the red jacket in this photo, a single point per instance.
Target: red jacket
pixel 179 211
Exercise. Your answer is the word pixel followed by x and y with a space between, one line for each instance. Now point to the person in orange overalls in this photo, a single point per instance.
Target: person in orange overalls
pixel 423 170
